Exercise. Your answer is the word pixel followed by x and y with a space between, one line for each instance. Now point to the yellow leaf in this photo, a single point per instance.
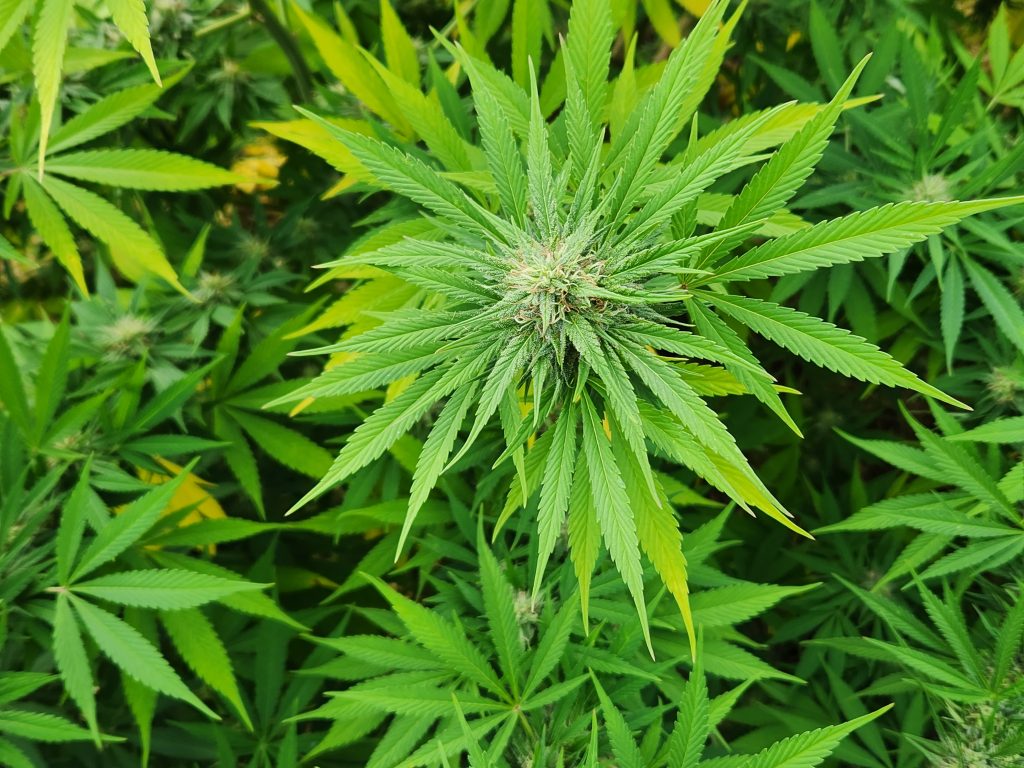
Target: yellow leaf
pixel 191 493
pixel 696 7
pixel 261 161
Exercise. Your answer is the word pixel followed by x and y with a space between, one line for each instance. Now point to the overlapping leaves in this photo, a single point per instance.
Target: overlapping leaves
pixel 561 293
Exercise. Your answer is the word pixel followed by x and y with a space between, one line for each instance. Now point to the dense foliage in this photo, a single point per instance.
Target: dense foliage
pixel 406 384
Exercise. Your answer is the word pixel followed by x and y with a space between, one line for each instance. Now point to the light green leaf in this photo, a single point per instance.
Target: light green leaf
pixel 555 489
pixel 48 44
pixel 1004 431
pixel 1005 309
pixel 72 661
pixel 202 649
pixel 53 228
pixel 13 12
pixel 132 247
pixel 130 17
pixel 823 344
pixel 126 528
pixel 443 638
pixel 134 654
pixel 170 590
pixel 499 608
pixel 611 506
pixel 858 236
pixel 287 446
pixel 107 114
pixel 736 603
pixel 399 48
pixel 39 726
pixel 142 169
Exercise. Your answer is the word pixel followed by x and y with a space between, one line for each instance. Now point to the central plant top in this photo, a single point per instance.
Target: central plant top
pixel 579 287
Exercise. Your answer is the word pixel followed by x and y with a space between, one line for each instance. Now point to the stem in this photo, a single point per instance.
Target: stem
pixel 261 12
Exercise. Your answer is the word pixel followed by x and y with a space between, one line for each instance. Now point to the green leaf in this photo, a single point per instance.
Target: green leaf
pixel 584 532
pixel 130 17
pixel 132 247
pixel 202 649
pixel 142 169
pixel 951 318
pixel 787 170
pixel 636 152
pixel 52 377
pixel 925 512
pixel 552 646
pixel 13 13
pixel 72 523
pixel 398 46
pixel 387 424
pixel 499 608
pixel 127 527
pixel 434 456
pixel 858 236
pixel 1003 431
pixel 72 661
pixel 414 179
pixel 627 754
pixel 823 344
pixel 587 51
pixel 287 446
pixel 40 726
pixel 503 158
pixel 107 114
pixel 48 44
pixel 346 62
pixel 12 393
pixel 736 603
pixel 555 489
pixel 442 638
pixel 809 749
pixel 53 229
pixel 686 743
pixel 170 590
pixel 1005 309
pixel 134 654
pixel 611 506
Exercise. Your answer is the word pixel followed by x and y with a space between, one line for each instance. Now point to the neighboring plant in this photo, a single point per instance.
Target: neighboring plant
pixel 517 678
pixel 561 281
pixel 966 500
pixel 50 200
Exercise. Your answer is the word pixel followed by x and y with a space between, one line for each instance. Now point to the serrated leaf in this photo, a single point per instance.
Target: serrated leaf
pixel 1005 309
pixel 130 17
pixel 149 169
pixel 53 229
pixel 851 238
pixel 128 649
pixel 132 247
pixel 170 590
pixel 126 528
pixel 398 46
pixel 499 608
pixel 612 509
pixel 285 445
pixel 72 661
pixel 1001 431
pixel 442 638
pixel 49 41
pixel 202 649
pixel 823 344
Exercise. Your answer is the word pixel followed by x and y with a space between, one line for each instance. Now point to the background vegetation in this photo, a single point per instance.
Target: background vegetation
pixel 166 207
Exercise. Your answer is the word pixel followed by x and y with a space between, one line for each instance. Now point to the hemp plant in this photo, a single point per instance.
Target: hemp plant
pixel 581 288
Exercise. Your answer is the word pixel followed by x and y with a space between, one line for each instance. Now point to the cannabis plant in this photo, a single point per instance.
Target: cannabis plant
pixel 584 294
